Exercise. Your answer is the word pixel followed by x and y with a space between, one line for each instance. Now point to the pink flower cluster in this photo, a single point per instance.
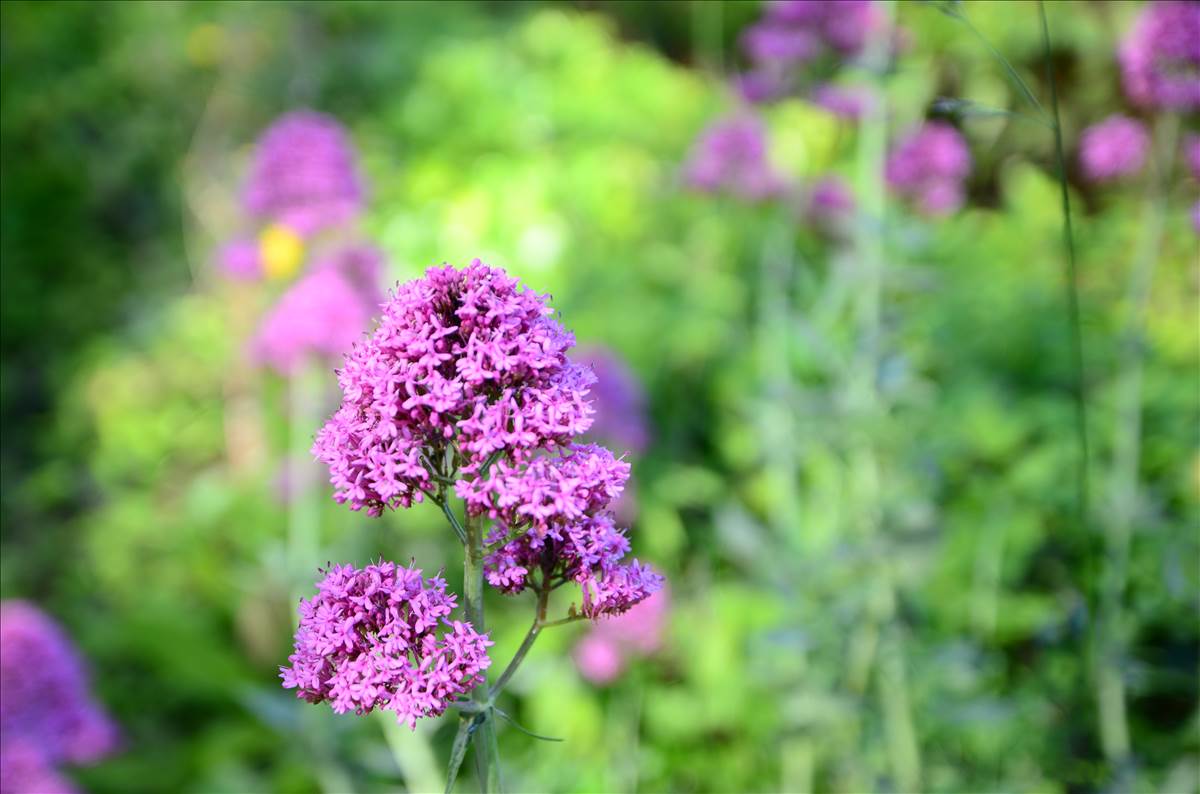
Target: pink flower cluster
pixel 304 174
pixel 369 639
pixel 731 156
pixel 466 379
pixel 930 166
pixel 603 653
pixel 1160 59
pixel 1113 148
pixel 461 358
pixel 323 314
pixel 47 715
pixel 555 510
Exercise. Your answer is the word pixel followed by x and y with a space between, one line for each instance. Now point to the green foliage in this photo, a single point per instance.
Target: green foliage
pixel 833 568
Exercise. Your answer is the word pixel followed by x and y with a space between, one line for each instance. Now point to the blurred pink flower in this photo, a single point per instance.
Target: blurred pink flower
pixel 1113 148
pixel 603 653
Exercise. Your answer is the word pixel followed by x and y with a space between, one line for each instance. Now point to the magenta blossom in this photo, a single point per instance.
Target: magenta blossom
pixel 47 714
pixel 240 260
pixel 930 166
pixel 466 383
pixel 1114 148
pixel 1160 58
pixel 320 316
pixel 831 204
pixel 369 639
pixel 731 156
pixel 304 174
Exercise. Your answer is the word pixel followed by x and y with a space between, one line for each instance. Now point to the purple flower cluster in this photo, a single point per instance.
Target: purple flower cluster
pixel 831 204
pixel 369 639
pixel 462 355
pixel 467 378
pixel 1160 58
pixel 1113 148
pixel 794 33
pixel 555 511
pixel 47 715
pixel 731 156
pixel 1191 156
pixel 603 653
pixel 929 166
pixel 323 313
pixel 304 174
pixel 239 259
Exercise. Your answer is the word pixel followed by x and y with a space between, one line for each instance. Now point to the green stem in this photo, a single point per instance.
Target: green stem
pixel 1123 483
pixel 530 637
pixel 487 762
pixel 1072 289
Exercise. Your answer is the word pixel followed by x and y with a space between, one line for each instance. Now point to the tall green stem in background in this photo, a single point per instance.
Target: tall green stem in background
pixel 878 642
pixel 1072 289
pixel 1122 491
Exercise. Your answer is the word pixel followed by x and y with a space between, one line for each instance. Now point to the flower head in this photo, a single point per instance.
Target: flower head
pixel 44 697
pixel 1160 58
pixel 466 382
pixel 553 523
pixel 240 260
pixel 731 156
pixel 1114 148
pixel 929 166
pixel 370 639
pixel 304 174
pixel 461 357
pixel 321 315
pixel 831 204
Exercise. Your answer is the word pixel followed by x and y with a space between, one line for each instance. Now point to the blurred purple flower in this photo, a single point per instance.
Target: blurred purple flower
pixel 304 174
pixel 761 85
pixel 618 399
pixel 851 103
pixel 369 640
pixel 24 769
pixel 840 26
pixel 321 316
pixel 768 42
pixel 47 714
pixel 240 260
pixel 1191 155
pixel 831 204
pixel 731 155
pixel 929 166
pixel 602 654
pixel 1113 148
pixel 1160 58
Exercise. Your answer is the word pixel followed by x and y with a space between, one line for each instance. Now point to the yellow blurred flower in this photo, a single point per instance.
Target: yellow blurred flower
pixel 281 250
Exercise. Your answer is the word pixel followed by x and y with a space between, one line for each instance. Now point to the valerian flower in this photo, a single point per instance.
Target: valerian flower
pixel 1160 58
pixel 929 166
pixel 381 638
pixel 47 714
pixel 1113 148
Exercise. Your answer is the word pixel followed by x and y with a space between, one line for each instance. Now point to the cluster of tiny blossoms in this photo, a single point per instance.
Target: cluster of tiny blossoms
pixel 555 510
pixel 929 166
pixel 369 639
pixel 47 715
pixel 1113 148
pixel 603 653
pixel 1160 59
pixel 731 156
pixel 323 313
pixel 304 174
pixel 466 377
pixel 802 33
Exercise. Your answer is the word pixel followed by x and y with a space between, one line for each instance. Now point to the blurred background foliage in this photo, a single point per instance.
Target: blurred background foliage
pixel 860 596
